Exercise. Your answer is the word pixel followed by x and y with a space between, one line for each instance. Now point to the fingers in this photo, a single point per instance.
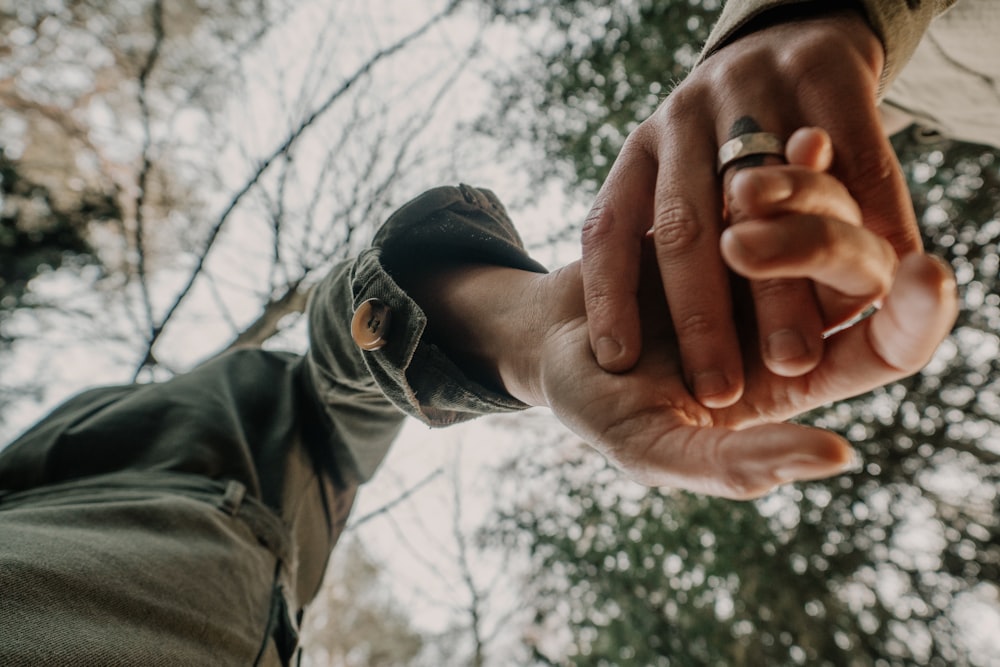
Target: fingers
pixel 741 464
pixel 810 147
pixel 896 341
pixel 867 165
pixel 686 226
pixel 790 323
pixel 756 193
pixel 643 193
pixel 612 243
pixel 812 231
pixel 852 267
pixel 916 316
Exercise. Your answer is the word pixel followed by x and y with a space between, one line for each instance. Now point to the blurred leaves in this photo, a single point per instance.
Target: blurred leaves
pixel 211 172
pixel 595 70
pixel 882 566
pixel 893 564
pixel 38 235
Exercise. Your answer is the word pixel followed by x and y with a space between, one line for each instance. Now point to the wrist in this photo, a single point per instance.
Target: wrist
pixel 489 320
pixel 809 36
pixel 795 13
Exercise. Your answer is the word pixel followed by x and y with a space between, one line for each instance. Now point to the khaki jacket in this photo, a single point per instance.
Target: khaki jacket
pixel 942 59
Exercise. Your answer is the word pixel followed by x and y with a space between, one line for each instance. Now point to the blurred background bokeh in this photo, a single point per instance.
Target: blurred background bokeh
pixel 176 175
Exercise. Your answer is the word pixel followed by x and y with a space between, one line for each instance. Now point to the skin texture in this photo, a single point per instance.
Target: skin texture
pixel 528 334
pixel 820 72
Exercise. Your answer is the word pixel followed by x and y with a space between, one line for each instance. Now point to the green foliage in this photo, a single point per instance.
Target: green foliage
pixel 878 567
pixel 38 235
pixel 601 69
pixel 871 568
pixel 675 579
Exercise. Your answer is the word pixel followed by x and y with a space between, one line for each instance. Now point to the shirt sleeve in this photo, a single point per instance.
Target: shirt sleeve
pixel 899 24
pixel 364 390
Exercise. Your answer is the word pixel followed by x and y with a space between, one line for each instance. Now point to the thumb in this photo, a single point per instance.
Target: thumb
pixel 742 464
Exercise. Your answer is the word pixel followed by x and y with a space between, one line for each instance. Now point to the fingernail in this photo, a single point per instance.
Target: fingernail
pixel 803 467
pixel 709 383
pixel 786 345
pixel 853 463
pixel 607 350
pixel 764 186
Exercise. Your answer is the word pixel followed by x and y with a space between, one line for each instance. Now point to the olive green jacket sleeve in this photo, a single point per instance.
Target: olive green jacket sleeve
pixel 365 393
pixel 899 24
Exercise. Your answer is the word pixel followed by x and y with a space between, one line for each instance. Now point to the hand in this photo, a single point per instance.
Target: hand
pixel 822 72
pixel 647 422
pixel 527 333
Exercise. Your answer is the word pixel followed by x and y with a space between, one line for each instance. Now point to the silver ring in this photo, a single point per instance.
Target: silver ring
pixel 753 143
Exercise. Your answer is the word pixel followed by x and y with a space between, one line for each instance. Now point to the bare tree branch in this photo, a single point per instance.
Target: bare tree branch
pixel 360 521
pixel 220 302
pixel 416 553
pixel 276 208
pixel 352 220
pixel 159 36
pixel 266 325
pixel 475 608
pixel 279 151
pixel 240 49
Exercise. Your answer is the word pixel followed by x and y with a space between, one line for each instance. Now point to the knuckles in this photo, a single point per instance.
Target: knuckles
pixel 676 228
pixel 598 225
pixel 695 326
pixel 779 289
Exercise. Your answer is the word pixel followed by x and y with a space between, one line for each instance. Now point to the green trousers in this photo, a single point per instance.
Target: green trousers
pixel 142 568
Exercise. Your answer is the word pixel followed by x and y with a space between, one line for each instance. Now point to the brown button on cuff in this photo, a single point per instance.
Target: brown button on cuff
pixel 370 324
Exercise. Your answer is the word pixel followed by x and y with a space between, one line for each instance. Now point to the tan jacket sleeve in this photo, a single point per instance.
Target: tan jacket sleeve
pixel 899 24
